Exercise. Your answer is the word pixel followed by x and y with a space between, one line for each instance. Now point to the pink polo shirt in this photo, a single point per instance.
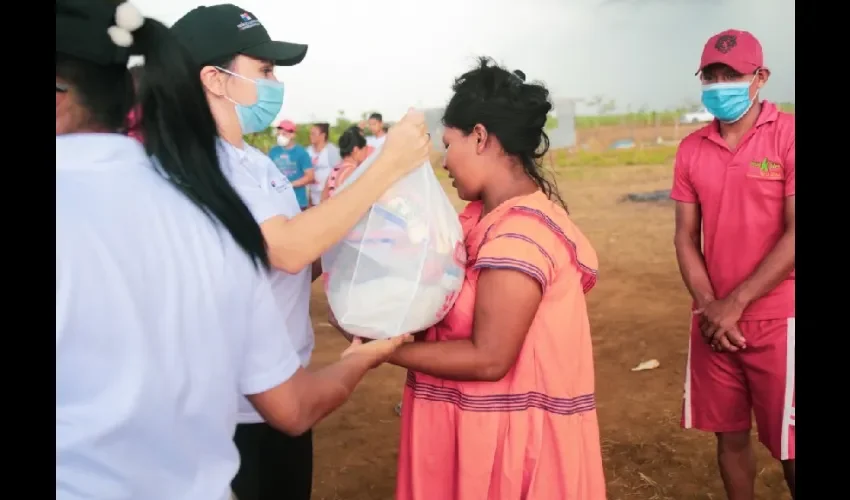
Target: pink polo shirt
pixel 741 195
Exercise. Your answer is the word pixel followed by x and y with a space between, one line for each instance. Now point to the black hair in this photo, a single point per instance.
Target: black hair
pixel 513 111
pixel 176 121
pixel 350 139
pixel 324 128
pixel 105 91
pixel 136 73
pixel 376 116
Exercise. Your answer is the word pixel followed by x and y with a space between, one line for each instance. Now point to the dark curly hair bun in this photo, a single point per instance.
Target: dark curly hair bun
pixel 514 113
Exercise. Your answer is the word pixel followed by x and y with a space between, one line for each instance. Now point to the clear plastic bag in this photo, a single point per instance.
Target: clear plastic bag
pixel 401 267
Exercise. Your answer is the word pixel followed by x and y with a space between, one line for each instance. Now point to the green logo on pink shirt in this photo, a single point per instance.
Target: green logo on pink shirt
pixel 766 169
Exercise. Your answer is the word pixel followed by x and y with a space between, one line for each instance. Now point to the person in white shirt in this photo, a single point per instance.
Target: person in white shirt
pixel 235 59
pixel 164 310
pixel 379 134
pixel 325 156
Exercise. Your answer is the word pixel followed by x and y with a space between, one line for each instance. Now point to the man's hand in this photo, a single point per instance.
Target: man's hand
pixel 719 324
pixel 378 350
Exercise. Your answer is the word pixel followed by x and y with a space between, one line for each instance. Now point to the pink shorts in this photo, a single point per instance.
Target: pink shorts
pixel 723 390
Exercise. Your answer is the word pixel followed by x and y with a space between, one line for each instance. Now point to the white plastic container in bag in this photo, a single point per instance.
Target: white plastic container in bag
pixel 401 267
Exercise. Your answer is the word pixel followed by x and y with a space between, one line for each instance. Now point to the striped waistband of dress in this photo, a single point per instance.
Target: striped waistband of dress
pixel 501 402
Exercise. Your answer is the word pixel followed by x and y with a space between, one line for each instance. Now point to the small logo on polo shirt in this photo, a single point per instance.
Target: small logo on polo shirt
pixel 280 185
pixel 766 169
pixel 247 21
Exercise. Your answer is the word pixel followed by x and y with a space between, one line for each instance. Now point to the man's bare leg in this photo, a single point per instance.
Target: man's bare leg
pixel 788 468
pixel 737 463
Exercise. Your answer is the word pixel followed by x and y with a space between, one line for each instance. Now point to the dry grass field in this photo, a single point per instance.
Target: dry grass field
pixel 639 311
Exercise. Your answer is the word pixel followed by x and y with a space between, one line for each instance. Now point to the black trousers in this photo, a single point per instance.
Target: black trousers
pixel 274 466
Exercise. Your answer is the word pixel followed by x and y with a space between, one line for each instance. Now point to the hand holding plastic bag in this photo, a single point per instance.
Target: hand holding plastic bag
pixel 401 267
pixel 407 144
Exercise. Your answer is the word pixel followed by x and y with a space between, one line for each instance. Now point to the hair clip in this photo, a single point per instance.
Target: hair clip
pixel 127 20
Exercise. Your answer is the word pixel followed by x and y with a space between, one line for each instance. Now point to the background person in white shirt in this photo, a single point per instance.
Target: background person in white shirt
pixel 379 134
pixel 235 59
pixel 325 156
pixel 162 315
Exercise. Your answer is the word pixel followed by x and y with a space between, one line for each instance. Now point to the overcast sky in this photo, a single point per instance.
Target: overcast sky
pixel 387 55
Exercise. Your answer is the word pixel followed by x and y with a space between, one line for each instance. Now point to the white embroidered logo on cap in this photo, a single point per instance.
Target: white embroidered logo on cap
pixel 247 21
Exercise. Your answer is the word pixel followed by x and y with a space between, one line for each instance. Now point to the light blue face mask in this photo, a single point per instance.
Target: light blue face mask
pixel 728 102
pixel 259 116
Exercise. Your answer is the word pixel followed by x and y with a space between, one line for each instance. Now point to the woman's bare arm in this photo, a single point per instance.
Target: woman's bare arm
pixel 296 405
pixel 505 305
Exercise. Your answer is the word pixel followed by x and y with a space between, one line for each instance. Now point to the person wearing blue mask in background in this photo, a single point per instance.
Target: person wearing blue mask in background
pixel 235 60
pixel 293 161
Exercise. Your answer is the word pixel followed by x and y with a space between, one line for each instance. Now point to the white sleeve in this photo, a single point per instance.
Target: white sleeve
pixel 270 359
pixel 260 203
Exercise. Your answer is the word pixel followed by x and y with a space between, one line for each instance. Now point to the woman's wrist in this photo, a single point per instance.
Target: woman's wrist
pixel 397 357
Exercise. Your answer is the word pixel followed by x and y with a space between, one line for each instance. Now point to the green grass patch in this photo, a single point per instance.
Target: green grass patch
pixel 654 155
pixel 645 119
pixel 574 162
pixel 641 118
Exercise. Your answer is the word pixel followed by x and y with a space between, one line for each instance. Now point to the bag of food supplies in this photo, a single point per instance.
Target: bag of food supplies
pixel 401 267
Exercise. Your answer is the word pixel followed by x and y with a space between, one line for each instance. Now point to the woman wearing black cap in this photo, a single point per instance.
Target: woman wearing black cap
pixel 235 60
pixel 161 312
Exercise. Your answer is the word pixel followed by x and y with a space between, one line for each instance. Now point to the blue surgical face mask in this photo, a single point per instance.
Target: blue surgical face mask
pixel 259 116
pixel 728 102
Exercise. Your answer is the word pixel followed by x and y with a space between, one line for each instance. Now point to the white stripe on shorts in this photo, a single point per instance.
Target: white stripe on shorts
pixel 687 418
pixel 788 417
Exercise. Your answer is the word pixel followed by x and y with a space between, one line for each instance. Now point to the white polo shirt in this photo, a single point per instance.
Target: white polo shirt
pixel 376 142
pixel 323 162
pixel 162 321
pixel 267 193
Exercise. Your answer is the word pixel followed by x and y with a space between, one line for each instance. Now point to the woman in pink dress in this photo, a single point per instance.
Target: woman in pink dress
pixel 353 149
pixel 499 402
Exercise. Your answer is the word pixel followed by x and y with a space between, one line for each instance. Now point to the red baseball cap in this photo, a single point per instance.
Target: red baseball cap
pixel 739 50
pixel 286 126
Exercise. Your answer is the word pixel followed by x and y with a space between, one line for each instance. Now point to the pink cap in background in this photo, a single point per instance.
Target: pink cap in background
pixel 286 126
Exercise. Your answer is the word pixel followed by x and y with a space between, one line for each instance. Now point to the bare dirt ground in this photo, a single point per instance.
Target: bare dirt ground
pixel 639 311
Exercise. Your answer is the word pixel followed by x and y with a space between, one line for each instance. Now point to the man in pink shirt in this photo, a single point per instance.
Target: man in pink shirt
pixel 734 183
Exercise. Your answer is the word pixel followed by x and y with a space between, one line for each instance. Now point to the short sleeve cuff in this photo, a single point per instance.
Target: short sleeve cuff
pixel 262 211
pixel 676 195
pixel 517 252
pixel 512 264
pixel 268 379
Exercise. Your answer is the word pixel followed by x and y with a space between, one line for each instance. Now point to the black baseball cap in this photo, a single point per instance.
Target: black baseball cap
pixel 217 31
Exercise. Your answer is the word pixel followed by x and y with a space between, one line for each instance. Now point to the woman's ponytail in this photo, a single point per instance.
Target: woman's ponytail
pixel 180 132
